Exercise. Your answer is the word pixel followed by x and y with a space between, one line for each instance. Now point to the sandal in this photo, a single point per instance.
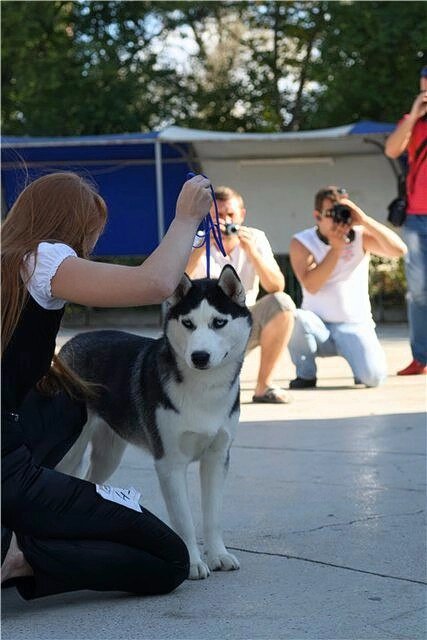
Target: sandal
pixel 273 395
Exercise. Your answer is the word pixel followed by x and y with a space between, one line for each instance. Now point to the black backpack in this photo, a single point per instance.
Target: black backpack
pixel 397 207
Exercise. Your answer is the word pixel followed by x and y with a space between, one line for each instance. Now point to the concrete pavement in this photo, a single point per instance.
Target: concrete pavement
pixel 324 507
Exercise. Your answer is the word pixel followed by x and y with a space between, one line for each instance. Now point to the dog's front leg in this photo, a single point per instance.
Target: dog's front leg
pixel 173 482
pixel 213 471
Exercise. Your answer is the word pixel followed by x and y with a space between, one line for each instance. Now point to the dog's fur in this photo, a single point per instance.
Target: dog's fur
pixel 177 396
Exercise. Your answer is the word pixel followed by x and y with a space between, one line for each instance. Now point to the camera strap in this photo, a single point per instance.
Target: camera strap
pixel 350 236
pixel 206 227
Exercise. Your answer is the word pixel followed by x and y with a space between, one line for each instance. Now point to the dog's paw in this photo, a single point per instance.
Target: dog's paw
pixel 222 561
pixel 198 570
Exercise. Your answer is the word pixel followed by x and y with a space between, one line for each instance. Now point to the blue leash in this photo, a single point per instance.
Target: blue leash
pixel 207 226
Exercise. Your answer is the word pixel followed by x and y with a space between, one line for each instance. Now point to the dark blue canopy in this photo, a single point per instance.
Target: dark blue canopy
pixel 369 126
pixel 123 167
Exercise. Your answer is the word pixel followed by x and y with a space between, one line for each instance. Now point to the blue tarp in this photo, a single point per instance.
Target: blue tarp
pixel 123 167
pixel 366 127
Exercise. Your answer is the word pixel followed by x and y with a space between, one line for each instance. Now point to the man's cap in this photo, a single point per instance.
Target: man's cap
pixel 423 72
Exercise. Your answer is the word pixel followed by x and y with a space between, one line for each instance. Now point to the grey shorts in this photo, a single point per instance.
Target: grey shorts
pixel 264 310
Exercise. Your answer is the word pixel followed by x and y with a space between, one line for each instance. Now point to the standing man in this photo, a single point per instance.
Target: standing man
pixel 331 262
pixel 250 253
pixel 411 135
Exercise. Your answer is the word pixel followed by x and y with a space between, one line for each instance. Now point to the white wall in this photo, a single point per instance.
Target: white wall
pixel 279 198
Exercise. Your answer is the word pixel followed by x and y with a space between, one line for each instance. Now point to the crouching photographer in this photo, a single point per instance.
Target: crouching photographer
pixel 249 252
pixel 331 262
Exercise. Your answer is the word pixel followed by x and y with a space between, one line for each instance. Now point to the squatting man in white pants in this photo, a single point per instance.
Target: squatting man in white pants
pixel 331 262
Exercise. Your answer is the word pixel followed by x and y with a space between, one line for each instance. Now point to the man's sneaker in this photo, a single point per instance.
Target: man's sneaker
pixel 302 383
pixel 413 369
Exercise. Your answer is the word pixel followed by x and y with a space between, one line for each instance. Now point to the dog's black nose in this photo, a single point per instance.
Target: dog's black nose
pixel 200 359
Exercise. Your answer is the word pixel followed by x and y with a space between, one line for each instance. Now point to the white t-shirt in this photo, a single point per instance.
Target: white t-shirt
pixel 49 257
pixel 345 295
pixel 241 263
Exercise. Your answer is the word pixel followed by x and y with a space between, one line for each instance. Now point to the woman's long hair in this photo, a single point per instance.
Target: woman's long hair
pixel 60 207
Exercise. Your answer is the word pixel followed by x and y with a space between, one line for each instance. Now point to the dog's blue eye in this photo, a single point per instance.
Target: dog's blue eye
pixel 218 323
pixel 188 324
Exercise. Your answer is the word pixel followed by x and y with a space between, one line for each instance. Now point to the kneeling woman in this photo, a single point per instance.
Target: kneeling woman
pixel 67 536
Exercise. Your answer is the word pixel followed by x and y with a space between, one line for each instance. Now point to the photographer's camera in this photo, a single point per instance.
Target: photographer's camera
pixel 341 214
pixel 231 229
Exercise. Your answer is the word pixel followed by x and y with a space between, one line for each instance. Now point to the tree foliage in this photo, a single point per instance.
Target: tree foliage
pixel 75 68
pixel 83 67
pixel 369 62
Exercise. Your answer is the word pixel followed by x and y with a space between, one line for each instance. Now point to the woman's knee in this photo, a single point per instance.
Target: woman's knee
pixel 177 575
pixel 175 571
pixel 181 564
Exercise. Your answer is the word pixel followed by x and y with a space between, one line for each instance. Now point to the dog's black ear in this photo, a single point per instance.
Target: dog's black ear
pixel 230 283
pixel 182 289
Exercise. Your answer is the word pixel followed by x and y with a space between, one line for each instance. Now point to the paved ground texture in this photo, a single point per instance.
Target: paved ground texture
pixel 324 508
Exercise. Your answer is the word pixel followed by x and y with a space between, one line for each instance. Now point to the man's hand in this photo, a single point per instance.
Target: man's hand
pixel 398 141
pixel 247 240
pixel 357 215
pixel 338 236
pixel 419 107
pixel 376 237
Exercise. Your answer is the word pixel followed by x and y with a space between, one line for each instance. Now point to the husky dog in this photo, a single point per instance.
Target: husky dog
pixel 177 396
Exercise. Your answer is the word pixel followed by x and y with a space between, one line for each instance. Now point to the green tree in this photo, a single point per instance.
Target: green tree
pixel 85 67
pixel 35 44
pixel 73 68
pixel 281 39
pixel 367 62
pixel 272 66
pixel 249 69
pixel 210 84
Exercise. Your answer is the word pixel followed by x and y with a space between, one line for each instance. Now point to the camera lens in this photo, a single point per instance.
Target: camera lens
pixel 341 214
pixel 231 229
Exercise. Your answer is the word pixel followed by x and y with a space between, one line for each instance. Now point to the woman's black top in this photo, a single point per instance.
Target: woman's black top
pixel 28 355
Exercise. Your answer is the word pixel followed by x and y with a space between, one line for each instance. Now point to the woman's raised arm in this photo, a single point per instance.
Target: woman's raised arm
pixel 105 285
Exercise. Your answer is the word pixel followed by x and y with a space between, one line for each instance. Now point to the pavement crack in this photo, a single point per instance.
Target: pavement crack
pixel 357 520
pixel 390 634
pixel 372 452
pixel 328 564
pixel 402 614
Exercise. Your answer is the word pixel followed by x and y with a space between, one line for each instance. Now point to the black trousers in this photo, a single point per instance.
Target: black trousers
pixel 71 536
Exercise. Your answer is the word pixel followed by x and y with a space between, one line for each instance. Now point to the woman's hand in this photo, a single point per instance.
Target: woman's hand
pixel 194 200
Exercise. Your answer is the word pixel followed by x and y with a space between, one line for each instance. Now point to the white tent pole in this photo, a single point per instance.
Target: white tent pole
pixel 159 190
pixel 160 204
